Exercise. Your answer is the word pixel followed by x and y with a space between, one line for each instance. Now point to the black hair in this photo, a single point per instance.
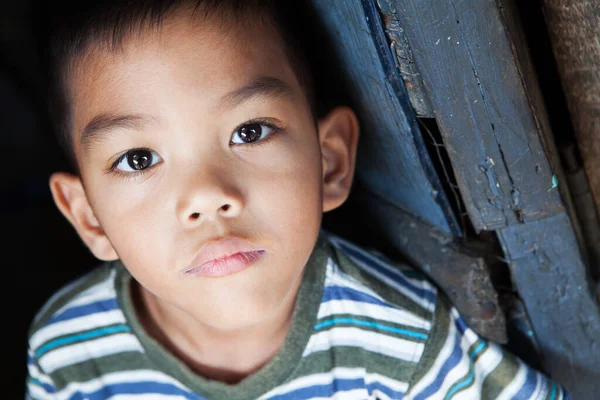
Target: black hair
pixel 73 29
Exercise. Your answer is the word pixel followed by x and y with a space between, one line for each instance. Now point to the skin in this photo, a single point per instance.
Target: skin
pixel 203 187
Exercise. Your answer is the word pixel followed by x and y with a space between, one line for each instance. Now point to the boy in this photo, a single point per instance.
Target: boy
pixel 203 170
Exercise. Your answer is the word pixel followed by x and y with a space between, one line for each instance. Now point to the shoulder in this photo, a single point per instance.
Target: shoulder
pixel 97 282
pixel 76 308
pixel 382 307
pixel 402 316
pixel 398 285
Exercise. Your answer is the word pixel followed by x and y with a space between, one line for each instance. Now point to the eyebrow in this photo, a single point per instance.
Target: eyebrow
pixel 103 123
pixel 262 86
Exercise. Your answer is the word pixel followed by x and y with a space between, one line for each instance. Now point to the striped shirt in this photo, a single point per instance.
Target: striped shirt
pixel 362 328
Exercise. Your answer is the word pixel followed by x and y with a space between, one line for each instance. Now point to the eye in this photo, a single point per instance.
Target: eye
pixel 252 132
pixel 137 160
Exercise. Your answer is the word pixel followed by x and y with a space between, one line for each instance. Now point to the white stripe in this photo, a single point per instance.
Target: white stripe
pixel 61 292
pixel 434 371
pixel 486 363
pixel 95 296
pixel 145 396
pixel 336 241
pixel 96 384
pixel 353 394
pixel 396 315
pixel 80 352
pixel 336 277
pixel 74 325
pixel 378 395
pixel 515 385
pixel 341 373
pixel 370 341
pixel 34 372
pixel 460 370
pixel 388 266
pixel 316 379
pixel 38 393
pixel 104 290
pixel 541 390
pixel 426 304
pixel 393 384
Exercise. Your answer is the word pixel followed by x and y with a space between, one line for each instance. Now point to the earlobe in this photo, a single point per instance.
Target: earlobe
pixel 70 198
pixel 338 136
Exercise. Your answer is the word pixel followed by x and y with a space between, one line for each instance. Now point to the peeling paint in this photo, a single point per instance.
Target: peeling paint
pixel 554 183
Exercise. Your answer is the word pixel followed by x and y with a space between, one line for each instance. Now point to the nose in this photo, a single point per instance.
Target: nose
pixel 208 195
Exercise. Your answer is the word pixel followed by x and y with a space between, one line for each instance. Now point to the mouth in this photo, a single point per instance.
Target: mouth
pixel 224 257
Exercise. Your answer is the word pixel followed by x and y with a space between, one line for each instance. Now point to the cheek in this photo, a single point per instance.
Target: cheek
pixel 288 190
pixel 132 217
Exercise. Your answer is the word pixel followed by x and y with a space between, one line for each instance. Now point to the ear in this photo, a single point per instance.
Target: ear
pixel 338 136
pixel 70 198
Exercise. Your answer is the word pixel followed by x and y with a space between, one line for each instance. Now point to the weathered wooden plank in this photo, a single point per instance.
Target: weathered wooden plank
pixel 392 159
pixel 574 188
pixel 552 282
pixel 501 152
pixel 465 59
pixel 561 165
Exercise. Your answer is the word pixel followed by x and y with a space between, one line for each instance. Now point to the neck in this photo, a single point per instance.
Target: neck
pixel 224 355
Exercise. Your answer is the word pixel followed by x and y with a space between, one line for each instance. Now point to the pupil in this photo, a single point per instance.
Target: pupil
pixel 139 159
pixel 250 133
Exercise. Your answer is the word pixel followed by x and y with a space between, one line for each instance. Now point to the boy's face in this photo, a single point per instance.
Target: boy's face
pixel 180 96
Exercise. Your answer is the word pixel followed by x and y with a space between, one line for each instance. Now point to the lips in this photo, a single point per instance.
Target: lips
pixel 224 257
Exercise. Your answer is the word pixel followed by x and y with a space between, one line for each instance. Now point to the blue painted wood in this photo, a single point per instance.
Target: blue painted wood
pixel 501 152
pixel 552 281
pixel 392 159
pixel 464 55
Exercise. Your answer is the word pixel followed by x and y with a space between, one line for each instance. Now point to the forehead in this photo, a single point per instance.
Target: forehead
pixel 185 61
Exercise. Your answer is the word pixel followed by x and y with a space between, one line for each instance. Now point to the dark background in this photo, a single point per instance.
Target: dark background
pixel 40 250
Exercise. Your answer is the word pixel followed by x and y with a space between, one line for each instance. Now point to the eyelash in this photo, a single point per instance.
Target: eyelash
pixel 136 175
pixel 127 175
pixel 263 122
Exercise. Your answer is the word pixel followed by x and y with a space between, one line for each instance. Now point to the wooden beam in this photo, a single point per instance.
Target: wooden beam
pixel 556 292
pixel 505 165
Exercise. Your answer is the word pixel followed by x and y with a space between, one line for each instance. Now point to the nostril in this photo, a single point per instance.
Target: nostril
pixel 225 207
pixel 195 216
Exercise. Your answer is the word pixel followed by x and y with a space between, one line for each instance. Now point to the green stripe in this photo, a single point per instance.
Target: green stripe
pixel 500 377
pixel 350 357
pixel 92 369
pixel 437 339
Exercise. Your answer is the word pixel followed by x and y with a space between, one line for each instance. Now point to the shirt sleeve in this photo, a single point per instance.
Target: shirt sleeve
pixel 39 386
pixel 458 364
